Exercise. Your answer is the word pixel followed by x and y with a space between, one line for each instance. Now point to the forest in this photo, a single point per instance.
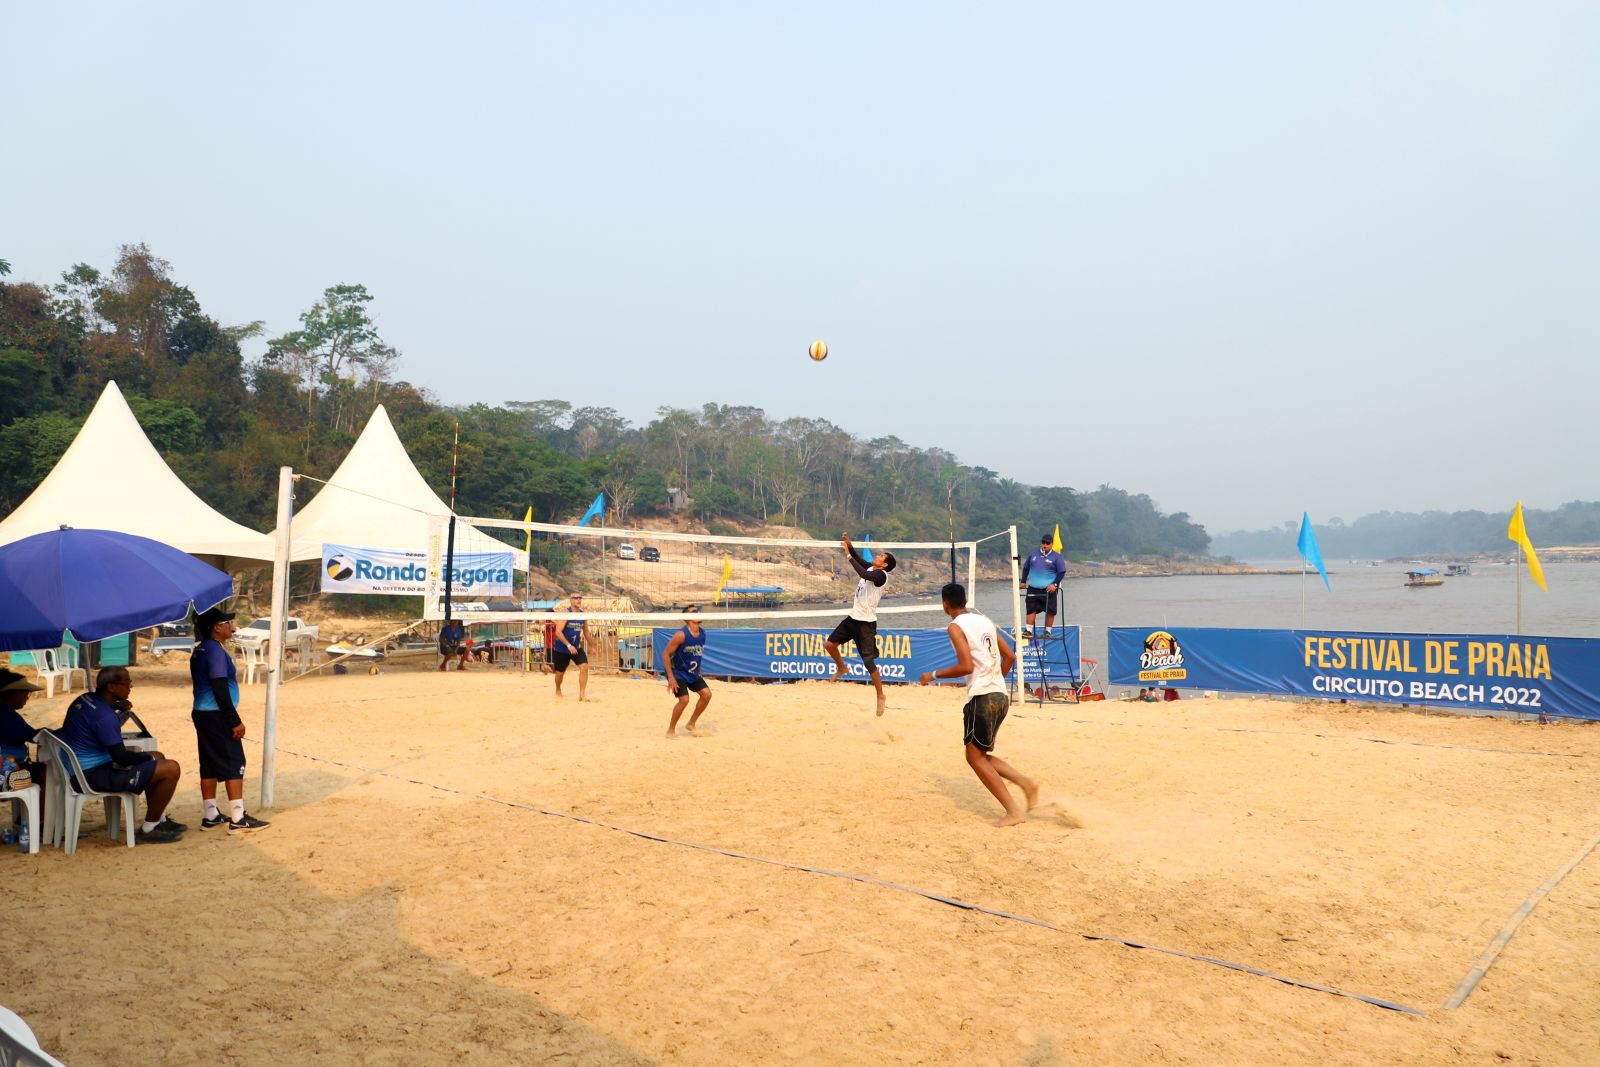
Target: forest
pixel 1395 534
pixel 225 424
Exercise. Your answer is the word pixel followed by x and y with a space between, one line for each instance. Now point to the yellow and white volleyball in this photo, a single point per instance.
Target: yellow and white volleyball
pixel 819 350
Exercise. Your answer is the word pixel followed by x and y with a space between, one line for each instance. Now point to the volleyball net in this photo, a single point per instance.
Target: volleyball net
pixel 635 580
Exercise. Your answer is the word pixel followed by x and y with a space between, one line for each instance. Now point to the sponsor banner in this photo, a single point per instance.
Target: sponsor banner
pixel 401 572
pixel 1548 675
pixel 903 655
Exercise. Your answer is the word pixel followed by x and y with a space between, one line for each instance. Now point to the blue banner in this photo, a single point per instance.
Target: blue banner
pixel 401 572
pixel 1537 675
pixel 903 655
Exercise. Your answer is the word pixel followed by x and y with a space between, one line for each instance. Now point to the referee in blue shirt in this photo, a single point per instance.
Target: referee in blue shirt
pixel 1041 577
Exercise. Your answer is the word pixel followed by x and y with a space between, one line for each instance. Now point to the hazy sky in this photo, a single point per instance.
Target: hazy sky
pixel 1250 259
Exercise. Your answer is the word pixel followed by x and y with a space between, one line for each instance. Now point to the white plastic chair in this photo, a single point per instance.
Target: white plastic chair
pixel 254 661
pixel 30 800
pixel 48 666
pixel 64 762
pixel 18 1045
pixel 68 662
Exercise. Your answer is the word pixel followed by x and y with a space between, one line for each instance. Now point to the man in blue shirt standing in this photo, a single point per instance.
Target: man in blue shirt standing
pixel 1041 577
pixel 217 726
pixel 94 733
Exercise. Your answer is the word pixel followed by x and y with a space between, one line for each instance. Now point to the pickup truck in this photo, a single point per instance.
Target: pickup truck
pixel 255 635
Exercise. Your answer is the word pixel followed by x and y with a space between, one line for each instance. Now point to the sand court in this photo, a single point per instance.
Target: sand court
pixel 423 888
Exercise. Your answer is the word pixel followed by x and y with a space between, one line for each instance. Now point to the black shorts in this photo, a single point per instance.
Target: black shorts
pixel 221 754
pixel 561 659
pixel 685 688
pixel 1038 600
pixel 109 778
pixel 981 719
pixel 864 634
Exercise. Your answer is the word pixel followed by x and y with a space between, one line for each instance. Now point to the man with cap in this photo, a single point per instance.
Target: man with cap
pixel 93 730
pixel 15 733
pixel 1041 577
pixel 217 725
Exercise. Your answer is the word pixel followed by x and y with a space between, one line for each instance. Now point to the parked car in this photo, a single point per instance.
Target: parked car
pixel 650 555
pixel 169 643
pixel 256 633
pixel 625 551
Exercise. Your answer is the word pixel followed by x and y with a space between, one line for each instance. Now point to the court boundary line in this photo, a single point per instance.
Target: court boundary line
pixel 865 879
pixel 1501 939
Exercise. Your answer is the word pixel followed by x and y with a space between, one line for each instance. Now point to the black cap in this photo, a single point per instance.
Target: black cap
pixel 208 618
pixel 1047 539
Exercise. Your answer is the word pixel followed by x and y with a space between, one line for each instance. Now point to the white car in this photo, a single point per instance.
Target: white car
pixel 625 551
pixel 259 631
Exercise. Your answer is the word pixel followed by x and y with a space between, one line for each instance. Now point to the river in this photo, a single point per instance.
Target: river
pixel 1362 597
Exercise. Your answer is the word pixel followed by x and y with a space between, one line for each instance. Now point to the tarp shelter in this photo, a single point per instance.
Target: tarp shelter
pixel 111 476
pixel 377 499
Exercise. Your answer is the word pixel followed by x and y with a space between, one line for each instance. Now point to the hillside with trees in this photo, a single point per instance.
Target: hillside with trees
pixel 226 423
pixel 1396 534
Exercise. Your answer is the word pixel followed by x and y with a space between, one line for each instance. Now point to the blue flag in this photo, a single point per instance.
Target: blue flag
pixel 597 510
pixel 1309 549
pixel 866 553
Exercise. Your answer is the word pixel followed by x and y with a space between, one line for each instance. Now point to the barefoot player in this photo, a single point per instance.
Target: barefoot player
pixel 861 625
pixel 680 660
pixel 984 658
pixel 572 638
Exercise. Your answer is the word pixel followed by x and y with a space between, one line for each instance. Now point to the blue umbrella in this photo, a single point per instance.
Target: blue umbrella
pixel 97 583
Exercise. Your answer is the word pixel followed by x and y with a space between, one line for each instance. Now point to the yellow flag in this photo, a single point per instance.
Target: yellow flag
pixel 1519 533
pixel 529 548
pixel 727 572
pixel 1056 544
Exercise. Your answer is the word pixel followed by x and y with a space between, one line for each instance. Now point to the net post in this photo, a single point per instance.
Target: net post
pixel 1016 611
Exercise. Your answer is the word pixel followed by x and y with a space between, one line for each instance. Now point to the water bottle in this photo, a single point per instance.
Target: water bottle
pixel 22 837
pixel 8 835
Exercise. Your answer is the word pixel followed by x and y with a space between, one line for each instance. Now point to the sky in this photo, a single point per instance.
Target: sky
pixel 1252 259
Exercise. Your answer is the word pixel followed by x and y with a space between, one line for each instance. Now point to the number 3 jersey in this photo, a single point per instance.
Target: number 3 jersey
pixel 984 642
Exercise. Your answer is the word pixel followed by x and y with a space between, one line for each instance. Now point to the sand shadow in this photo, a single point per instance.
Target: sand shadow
pixel 299 974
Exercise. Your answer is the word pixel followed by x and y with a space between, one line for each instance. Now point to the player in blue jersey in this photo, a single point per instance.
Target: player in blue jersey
pixel 680 660
pixel 572 639
pixel 1041 577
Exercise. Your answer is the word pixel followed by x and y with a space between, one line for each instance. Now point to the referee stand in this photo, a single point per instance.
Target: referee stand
pixel 1037 654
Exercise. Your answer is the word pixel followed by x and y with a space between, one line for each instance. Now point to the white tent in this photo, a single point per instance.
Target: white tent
pixel 112 478
pixel 376 499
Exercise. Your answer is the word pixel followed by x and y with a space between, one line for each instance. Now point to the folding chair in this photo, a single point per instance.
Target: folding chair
pixel 64 763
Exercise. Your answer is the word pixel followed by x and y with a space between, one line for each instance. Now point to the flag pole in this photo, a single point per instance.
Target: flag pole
pixel 1302 593
pixel 1519 589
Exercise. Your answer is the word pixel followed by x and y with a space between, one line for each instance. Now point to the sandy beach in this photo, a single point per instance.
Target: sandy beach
pixel 450 876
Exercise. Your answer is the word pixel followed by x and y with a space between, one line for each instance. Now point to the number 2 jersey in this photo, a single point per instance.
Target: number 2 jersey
pixel 686 661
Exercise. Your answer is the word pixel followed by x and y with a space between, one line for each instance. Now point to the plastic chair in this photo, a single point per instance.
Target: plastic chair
pixel 253 661
pixel 18 1045
pixel 30 800
pixel 48 666
pixel 64 762
pixel 68 663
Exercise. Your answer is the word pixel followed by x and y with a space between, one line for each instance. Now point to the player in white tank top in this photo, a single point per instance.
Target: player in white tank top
pixel 983 644
pixel 984 657
pixel 860 627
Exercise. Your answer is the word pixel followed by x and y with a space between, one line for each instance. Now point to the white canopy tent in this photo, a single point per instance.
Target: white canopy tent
pixel 111 451
pixel 377 499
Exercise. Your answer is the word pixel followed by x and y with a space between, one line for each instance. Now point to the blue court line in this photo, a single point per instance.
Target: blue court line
pixel 953 902
pixel 1485 961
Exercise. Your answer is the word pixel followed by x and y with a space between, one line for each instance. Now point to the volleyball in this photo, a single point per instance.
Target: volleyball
pixel 819 350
